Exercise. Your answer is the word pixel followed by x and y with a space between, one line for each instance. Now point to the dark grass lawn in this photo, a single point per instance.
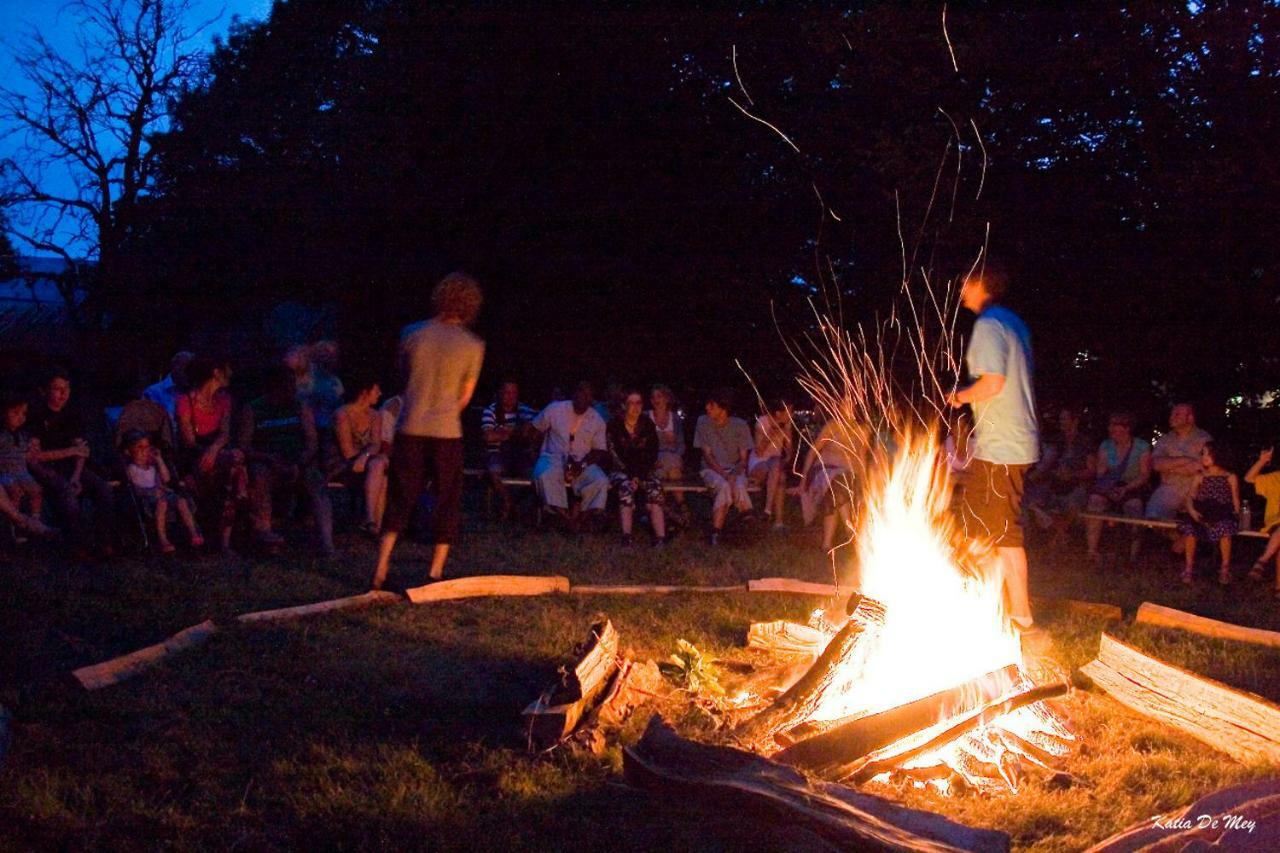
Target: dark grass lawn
pixel 398 727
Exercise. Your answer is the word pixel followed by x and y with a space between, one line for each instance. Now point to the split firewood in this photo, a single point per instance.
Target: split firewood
pixel 1168 617
pixel 802 698
pixel 856 738
pixel 554 714
pixel 790 638
pixel 792 586
pixel 1244 726
pixel 681 770
pixel 486 585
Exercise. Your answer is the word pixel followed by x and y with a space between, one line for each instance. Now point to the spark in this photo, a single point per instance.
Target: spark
pixel 946 36
pixel 772 127
pixel 739 76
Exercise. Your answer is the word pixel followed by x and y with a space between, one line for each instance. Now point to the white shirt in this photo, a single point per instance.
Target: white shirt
pixel 143 478
pixel 777 437
pixel 568 433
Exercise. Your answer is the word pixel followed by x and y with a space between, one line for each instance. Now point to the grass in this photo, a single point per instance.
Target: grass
pixel 398 727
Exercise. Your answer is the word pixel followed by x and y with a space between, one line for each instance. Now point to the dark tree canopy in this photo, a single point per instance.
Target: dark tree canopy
pixel 588 163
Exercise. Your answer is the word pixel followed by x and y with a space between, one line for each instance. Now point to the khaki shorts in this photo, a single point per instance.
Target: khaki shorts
pixel 992 504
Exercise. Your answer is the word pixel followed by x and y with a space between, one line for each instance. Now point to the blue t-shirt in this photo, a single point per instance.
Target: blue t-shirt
pixel 1004 427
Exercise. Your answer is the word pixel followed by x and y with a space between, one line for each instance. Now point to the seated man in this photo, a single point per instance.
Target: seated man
pixel 1176 458
pixel 167 391
pixel 60 464
pixel 278 436
pixel 725 443
pixel 505 425
pixel 574 441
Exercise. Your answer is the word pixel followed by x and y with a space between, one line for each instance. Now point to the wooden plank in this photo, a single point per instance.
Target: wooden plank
pixel 682 771
pixel 1168 617
pixel 1245 817
pixel 633 589
pixel 790 585
pixel 787 638
pixel 1245 726
pixel 1157 523
pixel 484 585
pixel 118 669
pixel 1092 609
pixel 555 714
pixel 284 613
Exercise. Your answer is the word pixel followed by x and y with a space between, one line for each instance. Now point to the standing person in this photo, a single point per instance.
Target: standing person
pixel 670 426
pixel 771 456
pixel 1006 437
pixel 440 359
pixel 167 391
pixel 633 443
pixel 1212 511
pixel 1267 487
pixel 725 443
pixel 574 443
pixel 505 425
pixel 60 465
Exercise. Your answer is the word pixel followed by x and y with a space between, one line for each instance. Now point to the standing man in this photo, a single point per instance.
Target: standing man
pixel 440 359
pixel 1176 458
pixel 1006 438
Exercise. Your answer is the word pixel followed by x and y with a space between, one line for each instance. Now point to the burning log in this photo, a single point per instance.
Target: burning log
pixel 854 739
pixel 894 755
pixel 801 699
pixel 1167 617
pixel 482 585
pixel 1244 726
pixel 790 638
pixel 671 766
pixel 555 713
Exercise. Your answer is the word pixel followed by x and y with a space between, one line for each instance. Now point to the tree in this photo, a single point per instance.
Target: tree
pixel 90 116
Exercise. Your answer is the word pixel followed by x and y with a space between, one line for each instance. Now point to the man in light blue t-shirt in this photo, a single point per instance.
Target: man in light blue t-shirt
pixel 1005 434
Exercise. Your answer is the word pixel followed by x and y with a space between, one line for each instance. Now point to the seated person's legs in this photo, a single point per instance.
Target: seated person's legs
pixel 721 497
pixel 264 480
pixel 548 479
pixel 592 486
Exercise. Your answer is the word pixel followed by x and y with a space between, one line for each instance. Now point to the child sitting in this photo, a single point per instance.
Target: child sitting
pixel 1268 488
pixel 150 477
pixel 1212 511
pixel 16 483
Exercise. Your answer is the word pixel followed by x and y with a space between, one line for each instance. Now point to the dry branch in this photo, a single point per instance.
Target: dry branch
pixel 1167 617
pixel 126 666
pixel 677 769
pixel 1244 726
pixel 284 613
pixel 853 740
pixel 483 585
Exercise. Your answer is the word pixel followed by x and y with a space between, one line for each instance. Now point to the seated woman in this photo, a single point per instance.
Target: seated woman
pixel 835 459
pixel 771 457
pixel 17 485
pixel 215 472
pixel 633 444
pixel 671 445
pixel 1058 486
pixel 359 458
pixel 1122 470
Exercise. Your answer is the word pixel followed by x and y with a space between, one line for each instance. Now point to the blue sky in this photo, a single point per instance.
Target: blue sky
pixel 57 23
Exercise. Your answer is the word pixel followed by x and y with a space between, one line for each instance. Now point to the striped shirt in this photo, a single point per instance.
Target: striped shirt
pixel 494 417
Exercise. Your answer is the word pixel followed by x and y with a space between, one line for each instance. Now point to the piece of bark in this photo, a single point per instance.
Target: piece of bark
pixel 1244 726
pixel 855 739
pixel 1092 609
pixel 785 637
pixel 800 700
pixel 684 771
pixel 1168 617
pixel 632 589
pixel 635 683
pixel 549 719
pixel 789 585
pixel 284 613
pixel 484 585
pixel 1192 827
pixel 114 671
pixel 894 755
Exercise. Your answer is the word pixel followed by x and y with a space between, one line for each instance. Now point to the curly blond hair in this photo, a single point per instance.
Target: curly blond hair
pixel 457 296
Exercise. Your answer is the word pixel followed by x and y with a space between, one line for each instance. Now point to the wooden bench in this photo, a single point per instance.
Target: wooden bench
pixel 682 487
pixel 1155 523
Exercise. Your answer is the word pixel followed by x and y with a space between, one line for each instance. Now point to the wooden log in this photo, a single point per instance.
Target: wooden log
pixel 1244 726
pixel 683 771
pixel 1168 617
pixel 597 589
pixel 284 613
pixel 636 682
pixel 1092 609
pixel 800 700
pixel 118 669
pixel 484 585
pixel 784 637
pixel 1245 817
pixel 795 587
pixel 855 739
pixel 551 717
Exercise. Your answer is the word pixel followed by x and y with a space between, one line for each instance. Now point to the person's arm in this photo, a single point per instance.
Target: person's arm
pixel 186 423
pixel 1144 474
pixel 1263 458
pixel 1235 492
pixel 988 385
pixel 310 440
pixel 988 360
pixel 342 429
pixel 162 470
pixel 1190 505
pixel 763 440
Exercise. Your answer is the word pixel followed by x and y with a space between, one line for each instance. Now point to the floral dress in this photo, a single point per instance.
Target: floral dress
pixel 1217 511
